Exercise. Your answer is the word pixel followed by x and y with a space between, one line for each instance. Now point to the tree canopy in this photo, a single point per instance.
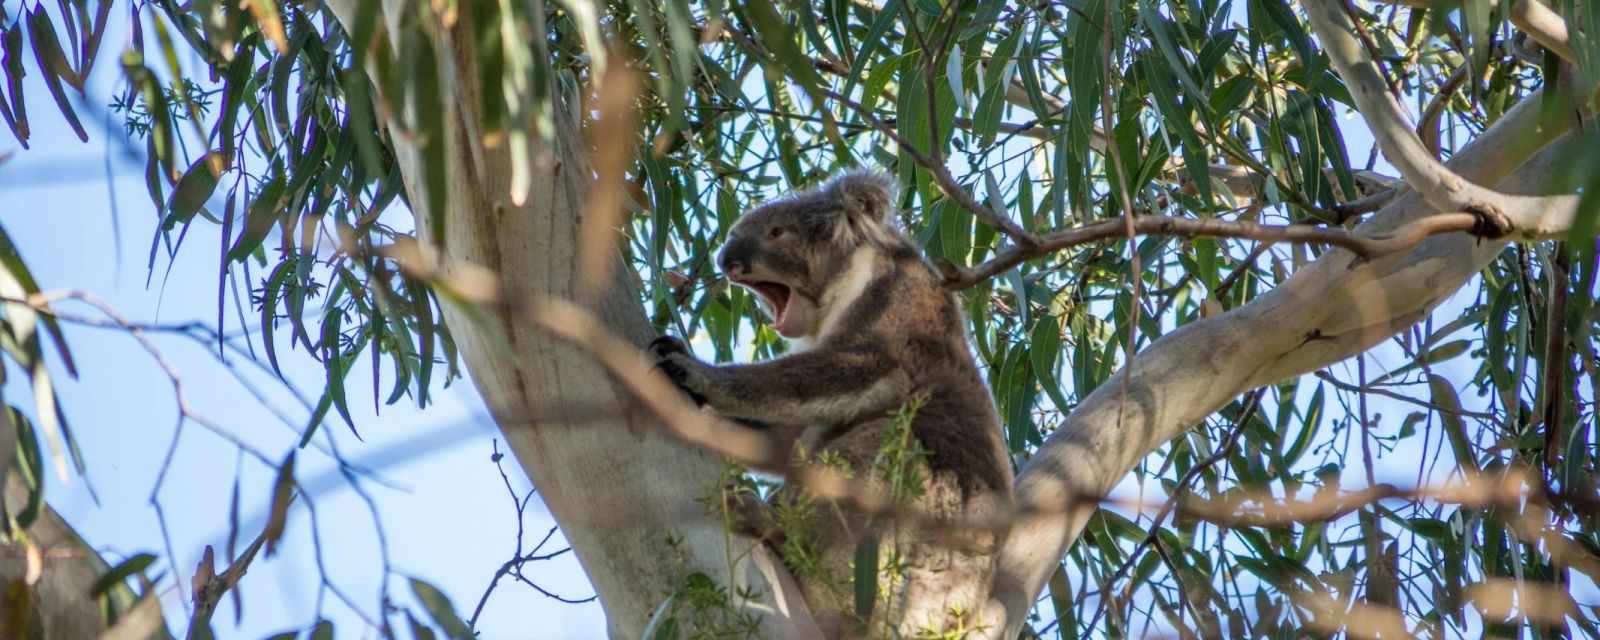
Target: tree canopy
pixel 1238 199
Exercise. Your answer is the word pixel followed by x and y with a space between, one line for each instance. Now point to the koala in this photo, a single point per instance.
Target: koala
pixel 871 327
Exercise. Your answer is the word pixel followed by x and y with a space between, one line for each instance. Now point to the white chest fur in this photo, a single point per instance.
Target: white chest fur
pixel 844 293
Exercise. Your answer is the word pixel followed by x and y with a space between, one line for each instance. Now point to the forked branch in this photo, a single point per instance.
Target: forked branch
pixel 1504 214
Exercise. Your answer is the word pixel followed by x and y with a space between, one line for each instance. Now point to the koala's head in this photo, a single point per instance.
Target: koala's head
pixel 791 250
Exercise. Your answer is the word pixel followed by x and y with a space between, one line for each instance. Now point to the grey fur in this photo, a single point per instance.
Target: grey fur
pixel 901 337
pixel 872 328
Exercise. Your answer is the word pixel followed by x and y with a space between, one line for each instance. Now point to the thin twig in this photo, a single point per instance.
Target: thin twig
pixel 513 567
pixel 1364 246
pixel 1184 484
pixel 941 176
pixel 1555 356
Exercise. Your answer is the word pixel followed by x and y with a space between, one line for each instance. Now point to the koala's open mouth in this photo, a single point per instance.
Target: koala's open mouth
pixel 775 294
pixel 793 312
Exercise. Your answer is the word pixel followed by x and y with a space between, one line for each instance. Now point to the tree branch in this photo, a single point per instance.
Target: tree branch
pixel 1502 214
pixel 1545 26
pixel 1362 245
pixel 1329 310
pixel 1532 17
pixel 941 175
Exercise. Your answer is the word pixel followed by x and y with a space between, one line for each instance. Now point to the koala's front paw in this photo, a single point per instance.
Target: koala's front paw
pixel 673 359
pixel 667 345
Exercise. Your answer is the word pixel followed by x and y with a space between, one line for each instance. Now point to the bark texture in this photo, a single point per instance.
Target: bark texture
pixel 619 487
pixel 1334 308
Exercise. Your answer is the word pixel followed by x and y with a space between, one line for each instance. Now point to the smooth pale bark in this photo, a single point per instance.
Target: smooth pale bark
pixel 1334 308
pixel 616 484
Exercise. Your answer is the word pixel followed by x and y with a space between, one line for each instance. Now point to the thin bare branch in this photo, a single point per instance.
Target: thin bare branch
pixel 1428 129
pixel 1363 245
pixel 209 587
pixel 941 176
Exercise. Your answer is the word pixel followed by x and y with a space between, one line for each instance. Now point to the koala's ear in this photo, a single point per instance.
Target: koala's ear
pixel 866 195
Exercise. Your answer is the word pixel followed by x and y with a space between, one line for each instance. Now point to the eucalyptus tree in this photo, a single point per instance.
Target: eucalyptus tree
pixel 1168 221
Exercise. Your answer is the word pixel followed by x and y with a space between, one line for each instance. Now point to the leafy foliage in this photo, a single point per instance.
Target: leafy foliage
pixel 1210 109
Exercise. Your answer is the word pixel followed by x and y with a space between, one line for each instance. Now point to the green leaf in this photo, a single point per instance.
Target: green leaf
pixel 774 32
pixel 662 625
pixel 1044 348
pixel 113 578
pixel 996 82
pixel 1161 31
pixel 282 496
pixel 1455 430
pixel 11 262
pixel 30 465
pixel 236 80
pixel 439 608
pixel 1432 529
pixel 15 112
pixel 192 191
pixel 1309 424
pixel 1176 119
pixel 1437 355
pixel 336 365
pixel 874 39
pixel 430 110
pixel 952 75
pixel 866 575
pixel 419 631
pixel 262 214
pixel 53 66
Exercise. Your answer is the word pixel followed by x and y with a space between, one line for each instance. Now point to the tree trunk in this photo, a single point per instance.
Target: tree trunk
pixel 620 489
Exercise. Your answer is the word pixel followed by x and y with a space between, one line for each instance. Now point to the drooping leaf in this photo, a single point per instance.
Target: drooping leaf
pixel 438 606
pixel 53 67
pixel 866 576
pixel 192 191
pixel 283 490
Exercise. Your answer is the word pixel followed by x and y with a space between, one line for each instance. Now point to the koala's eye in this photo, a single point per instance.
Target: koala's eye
pixel 777 232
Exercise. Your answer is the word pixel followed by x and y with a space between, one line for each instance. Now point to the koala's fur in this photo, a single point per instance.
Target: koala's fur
pixel 871 328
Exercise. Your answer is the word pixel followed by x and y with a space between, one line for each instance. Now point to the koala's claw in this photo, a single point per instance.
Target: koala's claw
pixel 667 345
pixel 669 353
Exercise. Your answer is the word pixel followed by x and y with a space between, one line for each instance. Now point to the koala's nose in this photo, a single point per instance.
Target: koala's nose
pixel 735 258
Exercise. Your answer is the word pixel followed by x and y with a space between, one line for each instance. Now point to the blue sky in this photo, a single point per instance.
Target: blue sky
pixel 451 524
